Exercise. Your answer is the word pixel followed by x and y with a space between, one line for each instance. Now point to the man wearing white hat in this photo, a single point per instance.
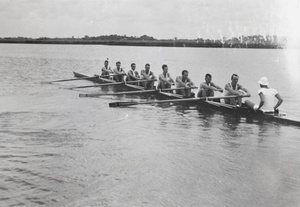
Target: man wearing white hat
pixel 267 95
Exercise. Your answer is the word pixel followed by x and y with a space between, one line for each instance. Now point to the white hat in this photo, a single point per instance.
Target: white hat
pixel 263 81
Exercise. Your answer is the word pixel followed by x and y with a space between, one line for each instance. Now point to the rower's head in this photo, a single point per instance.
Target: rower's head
pixel 165 68
pixel 118 64
pixel 208 78
pixel 106 62
pixel 147 66
pixel 133 66
pixel 185 74
pixel 234 78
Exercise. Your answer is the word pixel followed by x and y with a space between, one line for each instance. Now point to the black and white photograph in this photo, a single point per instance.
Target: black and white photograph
pixel 148 103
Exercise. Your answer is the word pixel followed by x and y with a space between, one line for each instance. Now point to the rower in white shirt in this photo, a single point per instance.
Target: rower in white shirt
pixel 267 98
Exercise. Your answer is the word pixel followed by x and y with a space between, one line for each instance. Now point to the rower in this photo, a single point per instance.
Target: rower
pixel 106 70
pixel 165 79
pixel 234 88
pixel 148 75
pixel 208 88
pixel 184 81
pixel 119 72
pixel 267 98
pixel 133 75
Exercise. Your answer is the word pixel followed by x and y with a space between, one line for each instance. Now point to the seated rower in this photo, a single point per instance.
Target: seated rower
pixel 106 71
pixel 148 75
pixel 165 79
pixel 207 88
pixel 119 77
pixel 267 98
pixel 133 75
pixel 234 88
pixel 184 82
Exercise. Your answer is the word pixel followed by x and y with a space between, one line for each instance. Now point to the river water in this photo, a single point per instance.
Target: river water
pixel 57 149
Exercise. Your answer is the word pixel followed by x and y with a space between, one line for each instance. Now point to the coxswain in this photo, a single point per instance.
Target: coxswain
pixel 267 98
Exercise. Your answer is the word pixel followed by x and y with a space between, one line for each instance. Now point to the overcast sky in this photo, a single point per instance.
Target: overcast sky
pixel 157 18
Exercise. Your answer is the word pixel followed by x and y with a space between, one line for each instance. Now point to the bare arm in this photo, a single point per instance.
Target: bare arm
pixel 190 83
pixel 179 81
pixel 216 88
pixel 262 101
pixel 119 72
pixel 108 70
pixel 172 82
pixel 145 76
pixel 244 89
pixel 280 100
pixel 163 79
pixel 131 75
pixel 231 90
pixel 153 76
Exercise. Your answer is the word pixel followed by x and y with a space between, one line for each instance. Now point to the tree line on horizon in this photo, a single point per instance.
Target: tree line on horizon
pixel 254 41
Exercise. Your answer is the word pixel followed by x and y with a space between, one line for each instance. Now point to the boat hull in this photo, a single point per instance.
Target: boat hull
pixel 251 114
pixel 122 87
pixel 95 80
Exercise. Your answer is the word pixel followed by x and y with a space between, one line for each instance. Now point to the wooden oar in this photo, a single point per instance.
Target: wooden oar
pixel 111 84
pixel 72 79
pixel 131 92
pixel 101 76
pixel 84 78
pixel 116 104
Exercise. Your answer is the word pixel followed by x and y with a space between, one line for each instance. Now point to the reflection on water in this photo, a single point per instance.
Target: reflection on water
pixel 61 150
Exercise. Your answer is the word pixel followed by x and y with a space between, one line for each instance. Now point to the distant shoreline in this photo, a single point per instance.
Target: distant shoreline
pixel 232 43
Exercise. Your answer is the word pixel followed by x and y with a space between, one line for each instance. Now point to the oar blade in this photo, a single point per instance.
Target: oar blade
pixel 120 104
pixel 96 94
pixel 84 95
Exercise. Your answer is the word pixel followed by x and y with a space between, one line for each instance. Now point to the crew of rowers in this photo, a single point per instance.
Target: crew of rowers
pixel 207 88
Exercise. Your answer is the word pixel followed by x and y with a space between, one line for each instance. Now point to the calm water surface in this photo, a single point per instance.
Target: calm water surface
pixel 57 149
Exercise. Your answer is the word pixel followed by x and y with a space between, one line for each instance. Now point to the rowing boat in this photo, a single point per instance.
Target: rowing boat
pixel 165 97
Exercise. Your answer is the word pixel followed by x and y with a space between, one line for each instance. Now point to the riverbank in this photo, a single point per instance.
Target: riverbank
pixel 151 43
